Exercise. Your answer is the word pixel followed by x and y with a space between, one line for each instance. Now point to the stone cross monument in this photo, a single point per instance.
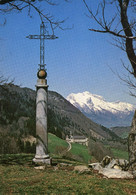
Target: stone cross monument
pixel 42 155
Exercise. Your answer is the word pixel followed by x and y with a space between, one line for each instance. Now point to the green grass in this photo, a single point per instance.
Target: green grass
pixel 54 141
pixel 18 179
pixel 18 176
pixel 13 159
pixel 81 151
pixel 78 151
pixel 120 153
pixel 56 147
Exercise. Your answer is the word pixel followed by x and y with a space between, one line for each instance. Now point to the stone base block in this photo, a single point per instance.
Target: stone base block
pixel 41 161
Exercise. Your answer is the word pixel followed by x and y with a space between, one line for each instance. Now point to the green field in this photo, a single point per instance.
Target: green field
pixel 55 143
pixel 82 152
pixel 57 149
pixel 18 176
pixel 18 179
pixel 78 152
pixel 119 153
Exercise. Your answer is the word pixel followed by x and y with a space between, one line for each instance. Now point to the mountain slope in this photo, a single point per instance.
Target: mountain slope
pixel 17 112
pixel 122 132
pixel 76 122
pixel 101 111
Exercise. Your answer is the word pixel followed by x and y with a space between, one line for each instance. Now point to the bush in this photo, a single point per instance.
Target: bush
pixel 98 150
pixel 8 145
pixel 29 148
pixel 60 150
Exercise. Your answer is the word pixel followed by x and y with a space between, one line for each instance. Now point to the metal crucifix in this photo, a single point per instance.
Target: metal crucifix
pixel 42 37
pixel 42 155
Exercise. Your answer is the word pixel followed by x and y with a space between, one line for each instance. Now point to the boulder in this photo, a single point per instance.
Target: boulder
pixel 40 167
pixel 64 165
pixel 123 164
pixel 82 169
pixel 116 173
pixel 113 168
pixel 95 166
pixel 112 164
pixel 117 167
pixel 106 160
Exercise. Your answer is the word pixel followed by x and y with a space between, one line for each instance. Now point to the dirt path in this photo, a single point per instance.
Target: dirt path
pixel 69 147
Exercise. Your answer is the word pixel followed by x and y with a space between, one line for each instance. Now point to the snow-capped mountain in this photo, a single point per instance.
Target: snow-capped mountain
pixel 101 111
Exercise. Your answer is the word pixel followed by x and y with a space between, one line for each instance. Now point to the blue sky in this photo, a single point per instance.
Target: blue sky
pixel 76 62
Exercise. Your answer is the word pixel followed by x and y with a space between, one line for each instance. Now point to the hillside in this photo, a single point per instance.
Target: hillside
pixel 109 114
pixel 121 131
pixel 17 114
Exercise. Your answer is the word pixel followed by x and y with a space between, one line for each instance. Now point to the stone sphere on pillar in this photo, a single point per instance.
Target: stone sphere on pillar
pixel 42 74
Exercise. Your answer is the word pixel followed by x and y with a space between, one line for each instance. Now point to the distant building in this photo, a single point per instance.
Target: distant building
pixel 77 139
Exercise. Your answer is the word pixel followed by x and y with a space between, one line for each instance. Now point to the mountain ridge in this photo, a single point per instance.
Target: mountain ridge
pixel 99 110
pixel 63 117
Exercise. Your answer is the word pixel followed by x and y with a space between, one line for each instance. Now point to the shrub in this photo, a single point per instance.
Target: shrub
pixel 60 150
pixel 8 145
pixel 98 150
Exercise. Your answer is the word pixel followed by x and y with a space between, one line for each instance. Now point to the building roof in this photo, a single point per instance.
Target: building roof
pixel 78 137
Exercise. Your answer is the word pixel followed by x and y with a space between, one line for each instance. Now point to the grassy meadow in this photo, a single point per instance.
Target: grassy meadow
pixel 120 153
pixel 78 152
pixel 57 147
pixel 55 143
pixel 82 152
pixel 18 175
pixel 24 179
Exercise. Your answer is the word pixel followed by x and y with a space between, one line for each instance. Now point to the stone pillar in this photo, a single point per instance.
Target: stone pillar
pixel 41 123
pixel 132 147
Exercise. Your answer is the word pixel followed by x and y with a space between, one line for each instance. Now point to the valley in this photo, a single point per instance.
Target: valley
pixel 17 125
